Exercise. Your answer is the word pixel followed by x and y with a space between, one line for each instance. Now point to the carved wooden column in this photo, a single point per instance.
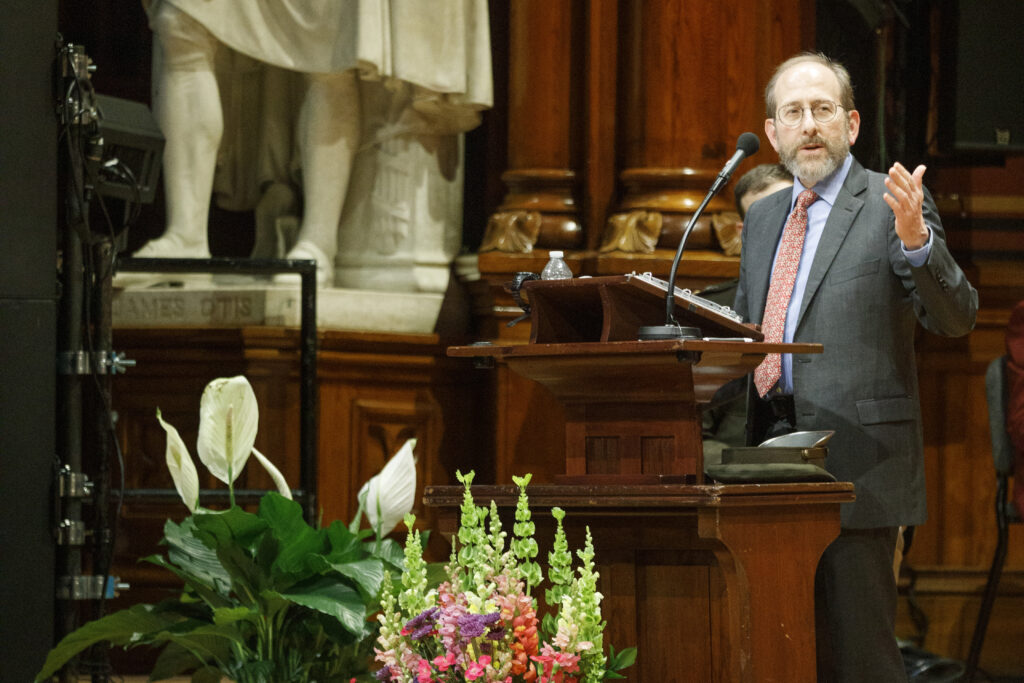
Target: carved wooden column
pixel 692 80
pixel 540 208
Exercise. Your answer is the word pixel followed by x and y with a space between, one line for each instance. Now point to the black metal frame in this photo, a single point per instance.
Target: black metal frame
pixel 306 269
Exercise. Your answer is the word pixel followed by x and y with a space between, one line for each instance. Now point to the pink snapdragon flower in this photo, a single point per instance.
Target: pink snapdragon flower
pixel 549 658
pixel 478 668
pixel 445 661
pixel 424 673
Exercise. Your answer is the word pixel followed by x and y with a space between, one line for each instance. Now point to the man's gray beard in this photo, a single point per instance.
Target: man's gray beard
pixel 812 172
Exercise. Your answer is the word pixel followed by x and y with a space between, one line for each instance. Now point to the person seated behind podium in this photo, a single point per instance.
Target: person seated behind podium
pixel 724 419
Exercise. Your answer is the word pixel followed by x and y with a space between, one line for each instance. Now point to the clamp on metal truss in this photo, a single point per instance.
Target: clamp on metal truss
pixel 71 532
pixel 87 363
pixel 89 587
pixel 73 484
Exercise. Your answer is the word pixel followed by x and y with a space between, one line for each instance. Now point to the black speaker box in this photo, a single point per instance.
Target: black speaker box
pixel 982 97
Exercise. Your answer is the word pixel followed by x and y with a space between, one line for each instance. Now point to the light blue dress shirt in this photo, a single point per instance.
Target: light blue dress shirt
pixel 817 215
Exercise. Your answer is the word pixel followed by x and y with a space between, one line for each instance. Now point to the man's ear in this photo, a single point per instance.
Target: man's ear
pixel 854 125
pixel 769 130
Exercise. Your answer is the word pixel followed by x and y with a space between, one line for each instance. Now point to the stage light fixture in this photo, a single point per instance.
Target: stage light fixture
pixel 132 149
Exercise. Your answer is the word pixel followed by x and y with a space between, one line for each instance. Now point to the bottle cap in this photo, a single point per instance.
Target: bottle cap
pixel 556 254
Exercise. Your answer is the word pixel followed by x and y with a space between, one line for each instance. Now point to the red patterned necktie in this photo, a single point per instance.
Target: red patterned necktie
pixel 781 290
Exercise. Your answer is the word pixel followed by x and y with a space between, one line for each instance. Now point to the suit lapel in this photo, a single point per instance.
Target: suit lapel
pixel 840 219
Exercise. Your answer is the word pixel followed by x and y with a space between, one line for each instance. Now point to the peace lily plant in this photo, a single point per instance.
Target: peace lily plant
pixel 267 598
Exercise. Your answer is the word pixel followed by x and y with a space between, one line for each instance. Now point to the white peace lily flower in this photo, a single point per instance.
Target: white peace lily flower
pixel 228 419
pixel 179 462
pixel 389 495
pixel 275 474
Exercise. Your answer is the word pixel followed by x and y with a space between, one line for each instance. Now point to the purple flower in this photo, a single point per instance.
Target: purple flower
pixel 422 632
pixel 474 625
pixel 421 624
pixel 383 675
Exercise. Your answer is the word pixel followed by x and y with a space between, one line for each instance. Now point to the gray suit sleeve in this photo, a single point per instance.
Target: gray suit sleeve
pixel 945 303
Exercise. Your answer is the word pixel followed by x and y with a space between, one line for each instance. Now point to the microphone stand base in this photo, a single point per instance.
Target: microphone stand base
pixel 662 332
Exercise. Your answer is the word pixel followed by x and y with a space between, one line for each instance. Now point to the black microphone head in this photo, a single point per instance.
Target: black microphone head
pixel 748 143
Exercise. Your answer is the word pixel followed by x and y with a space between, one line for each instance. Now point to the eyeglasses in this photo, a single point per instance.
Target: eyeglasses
pixel 791 115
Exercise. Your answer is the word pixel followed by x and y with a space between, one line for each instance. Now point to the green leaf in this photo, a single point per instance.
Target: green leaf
pixel 367 574
pixel 273 603
pixel 390 551
pixel 345 544
pixel 194 557
pixel 617 661
pixel 297 541
pixel 127 627
pixel 233 526
pixel 229 615
pixel 204 645
pixel 207 594
pixel 334 598
pixel 234 534
pixel 282 514
pixel 260 671
pixel 184 609
pixel 316 623
pixel 436 573
pixel 549 625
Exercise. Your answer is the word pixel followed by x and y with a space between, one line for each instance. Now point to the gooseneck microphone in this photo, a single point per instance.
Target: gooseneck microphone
pixel 746 145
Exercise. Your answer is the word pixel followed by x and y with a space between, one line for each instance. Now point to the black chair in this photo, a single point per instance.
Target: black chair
pixel 1002 454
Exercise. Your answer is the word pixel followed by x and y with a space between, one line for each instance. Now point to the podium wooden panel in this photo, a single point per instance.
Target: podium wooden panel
pixel 632 407
pixel 710 582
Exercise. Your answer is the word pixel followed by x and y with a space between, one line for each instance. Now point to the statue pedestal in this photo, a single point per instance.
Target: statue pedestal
pixel 206 303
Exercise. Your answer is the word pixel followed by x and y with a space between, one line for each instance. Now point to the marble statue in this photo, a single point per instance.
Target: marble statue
pixel 347 112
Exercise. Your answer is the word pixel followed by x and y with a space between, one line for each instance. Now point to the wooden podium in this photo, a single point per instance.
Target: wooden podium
pixel 710 582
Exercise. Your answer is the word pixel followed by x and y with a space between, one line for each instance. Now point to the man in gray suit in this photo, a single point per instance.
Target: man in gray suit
pixel 854 266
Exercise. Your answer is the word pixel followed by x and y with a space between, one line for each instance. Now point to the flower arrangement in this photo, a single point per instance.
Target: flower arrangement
pixel 482 623
pixel 267 598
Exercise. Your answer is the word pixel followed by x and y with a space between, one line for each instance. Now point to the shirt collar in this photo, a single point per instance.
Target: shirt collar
pixel 828 188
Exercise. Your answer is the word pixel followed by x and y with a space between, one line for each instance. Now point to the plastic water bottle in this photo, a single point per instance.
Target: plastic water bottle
pixel 556 268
